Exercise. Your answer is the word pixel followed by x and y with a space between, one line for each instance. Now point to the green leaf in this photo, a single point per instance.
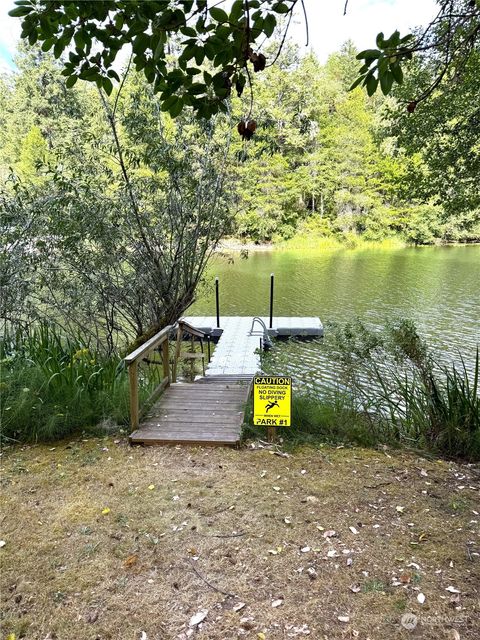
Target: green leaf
pixel 197 88
pixel 199 55
pixel 269 24
pixel 372 84
pixel 189 32
pixel 159 50
pixel 107 85
pixel 380 40
pixel 223 32
pixel 71 81
pixel 257 27
pixel 79 40
pixel 176 108
pixel 58 49
pixel 397 72
pixel 48 44
pixel 386 82
pixel 18 12
pixel 168 102
pixel 219 14
pixel 141 43
pixel 236 11
pixel 140 63
pixel 209 50
pixel 369 54
pixel 382 65
pixel 149 72
pixel 280 7
pixel 357 82
pixel 395 38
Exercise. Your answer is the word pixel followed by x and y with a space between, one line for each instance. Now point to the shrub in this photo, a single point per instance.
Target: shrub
pixel 420 401
pixel 332 419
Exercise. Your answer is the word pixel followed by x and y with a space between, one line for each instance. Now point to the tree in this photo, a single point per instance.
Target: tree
pixel 318 154
pixel 274 168
pixel 444 136
pixel 20 223
pixel 447 43
pixel 36 99
pixel 116 238
pixel 33 155
pixel 224 39
pixel 227 39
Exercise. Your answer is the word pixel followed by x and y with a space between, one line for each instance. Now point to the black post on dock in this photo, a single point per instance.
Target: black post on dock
pixel 272 278
pixel 217 303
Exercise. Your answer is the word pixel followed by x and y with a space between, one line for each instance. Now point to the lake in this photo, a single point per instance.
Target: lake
pixel 437 287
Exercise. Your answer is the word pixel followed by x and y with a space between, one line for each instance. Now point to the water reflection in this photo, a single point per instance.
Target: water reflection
pixel 437 287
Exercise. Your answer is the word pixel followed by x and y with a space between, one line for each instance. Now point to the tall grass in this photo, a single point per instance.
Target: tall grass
pixel 332 419
pixel 435 408
pixel 52 386
pixel 422 402
pixel 389 389
pixel 333 242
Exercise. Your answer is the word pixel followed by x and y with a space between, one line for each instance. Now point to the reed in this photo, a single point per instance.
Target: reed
pixel 390 389
pixel 53 385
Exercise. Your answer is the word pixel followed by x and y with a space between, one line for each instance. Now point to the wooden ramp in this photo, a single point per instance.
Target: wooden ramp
pixel 208 412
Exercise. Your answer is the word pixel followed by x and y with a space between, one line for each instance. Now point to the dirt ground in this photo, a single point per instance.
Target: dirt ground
pixel 103 541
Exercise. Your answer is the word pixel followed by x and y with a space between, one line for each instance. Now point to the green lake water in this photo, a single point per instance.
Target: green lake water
pixel 437 287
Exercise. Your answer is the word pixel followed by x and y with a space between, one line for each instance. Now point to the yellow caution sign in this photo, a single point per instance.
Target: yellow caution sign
pixel 272 401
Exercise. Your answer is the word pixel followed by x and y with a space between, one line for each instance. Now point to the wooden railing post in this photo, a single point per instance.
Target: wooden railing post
pixel 178 347
pixel 134 359
pixel 133 378
pixel 165 360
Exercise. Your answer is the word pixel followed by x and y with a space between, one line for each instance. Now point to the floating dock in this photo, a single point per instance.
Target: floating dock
pixel 239 339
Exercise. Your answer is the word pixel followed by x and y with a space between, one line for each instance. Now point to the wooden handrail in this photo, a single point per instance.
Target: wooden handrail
pixel 149 345
pixel 184 327
pixel 188 328
pixel 132 360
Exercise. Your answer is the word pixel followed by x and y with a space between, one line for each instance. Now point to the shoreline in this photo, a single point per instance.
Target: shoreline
pixel 234 245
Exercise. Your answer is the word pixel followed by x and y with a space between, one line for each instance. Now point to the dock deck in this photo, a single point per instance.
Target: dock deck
pixel 235 353
pixel 211 410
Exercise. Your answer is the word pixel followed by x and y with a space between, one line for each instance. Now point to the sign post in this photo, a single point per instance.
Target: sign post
pixel 272 403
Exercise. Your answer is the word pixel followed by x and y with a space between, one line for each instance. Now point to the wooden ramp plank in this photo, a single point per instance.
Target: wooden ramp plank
pixel 196 414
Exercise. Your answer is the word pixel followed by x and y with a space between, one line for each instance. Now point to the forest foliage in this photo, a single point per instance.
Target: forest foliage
pixel 323 160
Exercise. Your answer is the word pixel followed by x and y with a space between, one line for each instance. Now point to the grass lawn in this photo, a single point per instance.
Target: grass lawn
pixel 104 541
